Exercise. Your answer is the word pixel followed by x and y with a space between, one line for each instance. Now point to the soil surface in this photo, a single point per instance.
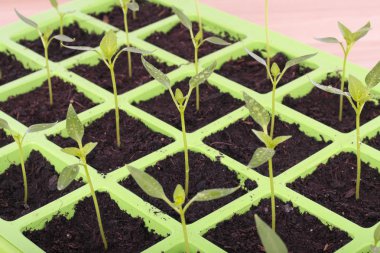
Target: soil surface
pixel 137 140
pixel 34 107
pixel 4 138
pixel 178 42
pixel 42 187
pixel 239 142
pixel 100 73
pixel 300 232
pixel 324 107
pixel 204 174
pixel 213 105
pixel 10 68
pixel 58 53
pixel 81 232
pixel 148 14
pixel 374 141
pixel 250 73
pixel 333 186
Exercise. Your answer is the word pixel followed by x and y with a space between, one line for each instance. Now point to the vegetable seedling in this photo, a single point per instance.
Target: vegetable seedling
pixel 271 241
pixel 358 94
pixel 46 38
pixel 61 15
pixel 262 118
pixel 198 41
pixel 181 102
pixel 154 189
pixel 350 38
pixel 376 240
pixel 75 130
pixel 19 139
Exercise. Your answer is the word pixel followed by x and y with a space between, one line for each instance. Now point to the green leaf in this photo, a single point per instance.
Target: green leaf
pixel 40 127
pixel 67 176
pixel 72 151
pixel 81 48
pixel 26 20
pixel 54 3
pixel 360 33
pixel 156 73
pixel 108 45
pixel 179 195
pixel 74 127
pixel 213 194
pixel 217 41
pixel 256 57
pixel 271 241
pixel 260 156
pixel 328 40
pixel 89 147
pixel 47 33
pixel 263 137
pixel 373 77
pixel 4 125
pixel 198 36
pixel 329 89
pixel 278 140
pixel 357 89
pixel 298 60
pixel 275 70
pixel 63 38
pixel 136 50
pixel 202 76
pixel 179 96
pixel 183 18
pixel 346 33
pixel 147 183
pixel 133 6
pixel 257 111
pixel 376 235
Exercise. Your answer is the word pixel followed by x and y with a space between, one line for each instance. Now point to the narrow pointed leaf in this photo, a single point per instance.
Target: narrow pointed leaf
pixel 179 195
pixel 74 126
pixel 357 89
pixel 198 37
pixel 298 60
pixel 26 20
pixel 202 76
pixel 280 139
pixel 275 70
pixel 147 183
pixel 376 235
pixel 183 18
pixel 108 45
pixel 217 41
pixel 72 151
pixel 257 111
pixel 260 156
pixel 40 127
pixel 67 176
pixel 179 96
pixel 346 33
pixel 133 6
pixel 63 38
pixel 373 77
pixel 329 89
pixel 256 57
pixel 80 48
pixel 4 124
pixel 136 50
pixel 156 73
pixel 213 194
pixel 362 32
pixel 271 241
pixel 89 147
pixel 328 40
pixel 54 3
pixel 263 137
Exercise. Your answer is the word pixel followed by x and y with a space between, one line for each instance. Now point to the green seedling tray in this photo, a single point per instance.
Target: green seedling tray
pixel 251 36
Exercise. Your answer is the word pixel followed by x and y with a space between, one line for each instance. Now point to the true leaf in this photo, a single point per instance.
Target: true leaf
pixel 179 96
pixel 72 151
pixel 156 73
pixel 275 70
pixel 328 40
pixel 257 111
pixel 147 183
pixel 357 89
pixel 47 33
pixel 4 124
pixel 26 20
pixel 373 77
pixel 329 89
pixel 67 176
pixel 80 48
pixel 89 147
pixel 136 50
pixel 346 33
pixel 271 241
pixel 280 139
pixel 360 33
pixel 217 41
pixel 260 156
pixel 376 235
pixel 202 76
pixel 40 127
pixel 108 45
pixel 133 6
pixel 198 36
pixel 63 38
pixel 298 60
pixel 179 195
pixel 183 18
pixel 256 57
pixel 263 137
pixel 212 194
pixel 54 3
pixel 74 126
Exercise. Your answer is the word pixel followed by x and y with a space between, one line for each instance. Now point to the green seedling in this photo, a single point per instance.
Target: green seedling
pixel 271 241
pixel 181 102
pixel 61 15
pixel 133 6
pixel 154 189
pixel 19 139
pixel 200 25
pixel 376 240
pixel 262 118
pixel 275 75
pixel 109 54
pixel 267 45
pixel 350 38
pixel 198 41
pixel 46 38
pixel 134 12
pixel 75 130
pixel 358 94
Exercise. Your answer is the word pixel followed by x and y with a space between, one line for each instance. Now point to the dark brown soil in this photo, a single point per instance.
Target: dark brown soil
pixel 34 107
pixel 4 139
pixel 239 142
pixel 324 107
pixel 300 232
pixel 374 142
pixel 204 174
pixel 148 14
pixel 100 73
pixel 213 105
pixel 333 186
pixel 249 73
pixel 178 42
pixel 81 232
pixel 10 68
pixel 136 141
pixel 42 187
pixel 58 53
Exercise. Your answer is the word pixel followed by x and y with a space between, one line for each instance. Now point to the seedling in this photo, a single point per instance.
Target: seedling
pixel 262 118
pixel 60 13
pixel 75 130
pixel 197 43
pixel 134 15
pixel 275 75
pixel 46 38
pixel 19 139
pixel 200 25
pixel 358 94
pixel 267 45
pixel 376 240
pixel 181 102
pixel 154 189
pixel 350 38
pixel 271 241
pixel 133 6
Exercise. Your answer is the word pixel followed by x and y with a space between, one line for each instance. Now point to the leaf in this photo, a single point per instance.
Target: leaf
pixel 259 114
pixel 298 60
pixel 89 147
pixel 278 140
pixel 179 195
pixel 81 48
pixel 256 57
pixel 329 89
pixel 328 40
pixel 136 50
pixel 156 73
pixel 263 137
pixel 54 3
pixel 357 89
pixel 346 33
pixel 183 18
pixel 271 241
pixel 376 235
pixel 47 33
pixel 74 127
pixel 198 37
pixel 260 156
pixel 67 176
pixel 217 41
pixel 133 6
pixel 63 38
pixel 72 151
pixel 147 183
pixel 179 96
pixel 213 194
pixel 373 77
pixel 40 127
pixel 361 32
pixel 4 124
pixel 275 70
pixel 202 76
pixel 26 20
pixel 108 45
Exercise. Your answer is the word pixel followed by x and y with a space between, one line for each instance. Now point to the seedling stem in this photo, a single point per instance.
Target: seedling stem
pixel 125 13
pixel 343 79
pixel 267 33
pixel 24 178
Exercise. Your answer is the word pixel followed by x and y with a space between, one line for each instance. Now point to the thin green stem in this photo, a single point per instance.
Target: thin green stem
pixel 184 229
pixel 24 178
pixel 358 161
pixel 196 64
pixel 125 12
pixel 61 24
pixel 186 151
pixel 272 197
pixel 273 112
pixel 267 33
pixel 134 12
pixel 200 25
pixel 342 81
pixel 117 116
pixel 48 73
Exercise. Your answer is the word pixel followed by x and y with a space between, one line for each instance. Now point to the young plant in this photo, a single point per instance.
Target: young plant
pixel 262 118
pixel 200 25
pixel 267 46
pixel 271 241
pixel 358 94
pixel 19 139
pixel 350 38
pixel 154 189
pixel 181 102
pixel 46 38
pixel 75 130
pixel 376 240
pixel 60 13
pixel 275 75
pixel 198 41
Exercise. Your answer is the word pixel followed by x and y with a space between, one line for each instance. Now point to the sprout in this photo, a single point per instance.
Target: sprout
pixel 61 15
pixel 376 240
pixel 180 102
pixel 46 39
pixel 358 94
pixel 19 139
pixel 350 38
pixel 154 189
pixel 198 41
pixel 75 130
pixel 271 241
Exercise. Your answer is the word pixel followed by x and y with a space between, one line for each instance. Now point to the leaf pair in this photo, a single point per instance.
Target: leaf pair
pixel 349 37
pixel 127 4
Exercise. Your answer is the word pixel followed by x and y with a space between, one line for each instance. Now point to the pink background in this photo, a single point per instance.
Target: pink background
pixel 300 19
